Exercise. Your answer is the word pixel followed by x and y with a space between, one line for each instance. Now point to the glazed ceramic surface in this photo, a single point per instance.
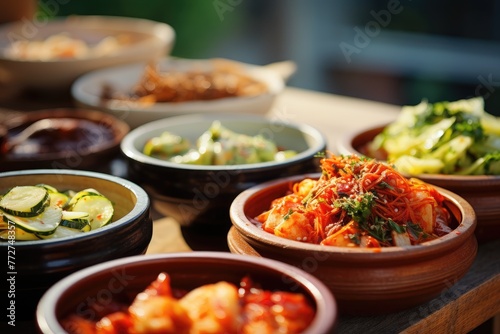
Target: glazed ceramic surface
pixel 187 271
pixel 481 191
pixel 41 263
pixel 151 40
pixel 200 193
pixel 87 91
pixel 364 281
pixel 95 146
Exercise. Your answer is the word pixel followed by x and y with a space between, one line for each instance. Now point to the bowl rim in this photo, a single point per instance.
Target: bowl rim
pixel 118 128
pixel 79 89
pixel 323 298
pixel 344 146
pixel 160 30
pixel 128 143
pixel 255 235
pixel 141 206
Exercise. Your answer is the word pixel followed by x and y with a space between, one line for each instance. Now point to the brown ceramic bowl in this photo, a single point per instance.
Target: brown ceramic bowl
pixel 187 271
pixel 95 138
pixel 39 264
pixel 364 281
pixel 481 191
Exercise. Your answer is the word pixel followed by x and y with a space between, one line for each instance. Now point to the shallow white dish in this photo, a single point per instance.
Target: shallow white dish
pixel 149 40
pixel 87 91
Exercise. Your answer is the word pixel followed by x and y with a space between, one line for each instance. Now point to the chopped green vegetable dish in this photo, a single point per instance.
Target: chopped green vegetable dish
pixel 216 146
pixel 457 137
pixel 43 212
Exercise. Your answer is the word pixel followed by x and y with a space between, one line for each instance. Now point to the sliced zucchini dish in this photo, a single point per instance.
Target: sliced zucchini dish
pixel 43 212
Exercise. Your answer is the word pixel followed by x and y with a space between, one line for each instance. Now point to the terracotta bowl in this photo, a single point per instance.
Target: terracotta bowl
pixel 481 191
pixel 200 195
pixel 41 263
pixel 86 147
pixel 363 281
pixel 187 271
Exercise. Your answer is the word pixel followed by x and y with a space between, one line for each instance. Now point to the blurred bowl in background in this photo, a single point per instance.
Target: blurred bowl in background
pixel 201 194
pixel 60 138
pixel 481 191
pixel 88 90
pixel 364 281
pixel 41 263
pixel 143 40
pixel 187 271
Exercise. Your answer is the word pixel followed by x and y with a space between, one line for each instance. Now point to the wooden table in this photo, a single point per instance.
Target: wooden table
pixel 466 305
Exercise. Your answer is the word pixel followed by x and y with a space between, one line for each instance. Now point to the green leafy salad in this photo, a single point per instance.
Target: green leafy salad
pixel 457 137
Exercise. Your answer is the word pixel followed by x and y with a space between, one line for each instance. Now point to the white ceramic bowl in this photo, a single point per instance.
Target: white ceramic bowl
pixel 87 91
pixel 202 194
pixel 150 40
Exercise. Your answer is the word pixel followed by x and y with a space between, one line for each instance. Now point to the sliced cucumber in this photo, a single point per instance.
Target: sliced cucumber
pixel 19 234
pixel 25 201
pixel 75 215
pixel 59 199
pixel 49 188
pixel 56 197
pixel 99 208
pixel 43 224
pixel 61 232
pixel 42 212
pixel 70 193
pixel 4 223
pixel 76 220
pixel 80 194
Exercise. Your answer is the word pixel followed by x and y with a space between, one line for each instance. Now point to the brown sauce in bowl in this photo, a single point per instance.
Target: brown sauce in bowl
pixel 56 137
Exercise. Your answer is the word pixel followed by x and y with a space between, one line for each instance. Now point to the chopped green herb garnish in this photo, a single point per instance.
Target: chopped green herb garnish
pixel 358 208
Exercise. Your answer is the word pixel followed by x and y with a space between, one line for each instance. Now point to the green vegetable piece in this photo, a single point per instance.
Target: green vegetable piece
pixel 487 165
pixel 45 223
pixel 452 152
pixel 99 208
pixel 166 146
pixel 216 146
pixel 407 164
pixel 61 232
pixel 19 234
pixel 266 149
pixel 80 194
pixel 25 201
pixel 444 137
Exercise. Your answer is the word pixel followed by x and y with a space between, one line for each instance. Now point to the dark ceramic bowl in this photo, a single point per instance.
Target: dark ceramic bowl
pixel 481 191
pixel 39 264
pixel 187 271
pixel 91 143
pixel 364 281
pixel 195 194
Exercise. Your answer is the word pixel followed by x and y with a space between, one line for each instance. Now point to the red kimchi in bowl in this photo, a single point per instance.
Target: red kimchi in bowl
pixel 358 202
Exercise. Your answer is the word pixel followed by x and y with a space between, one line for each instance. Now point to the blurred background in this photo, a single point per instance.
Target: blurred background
pixel 392 51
